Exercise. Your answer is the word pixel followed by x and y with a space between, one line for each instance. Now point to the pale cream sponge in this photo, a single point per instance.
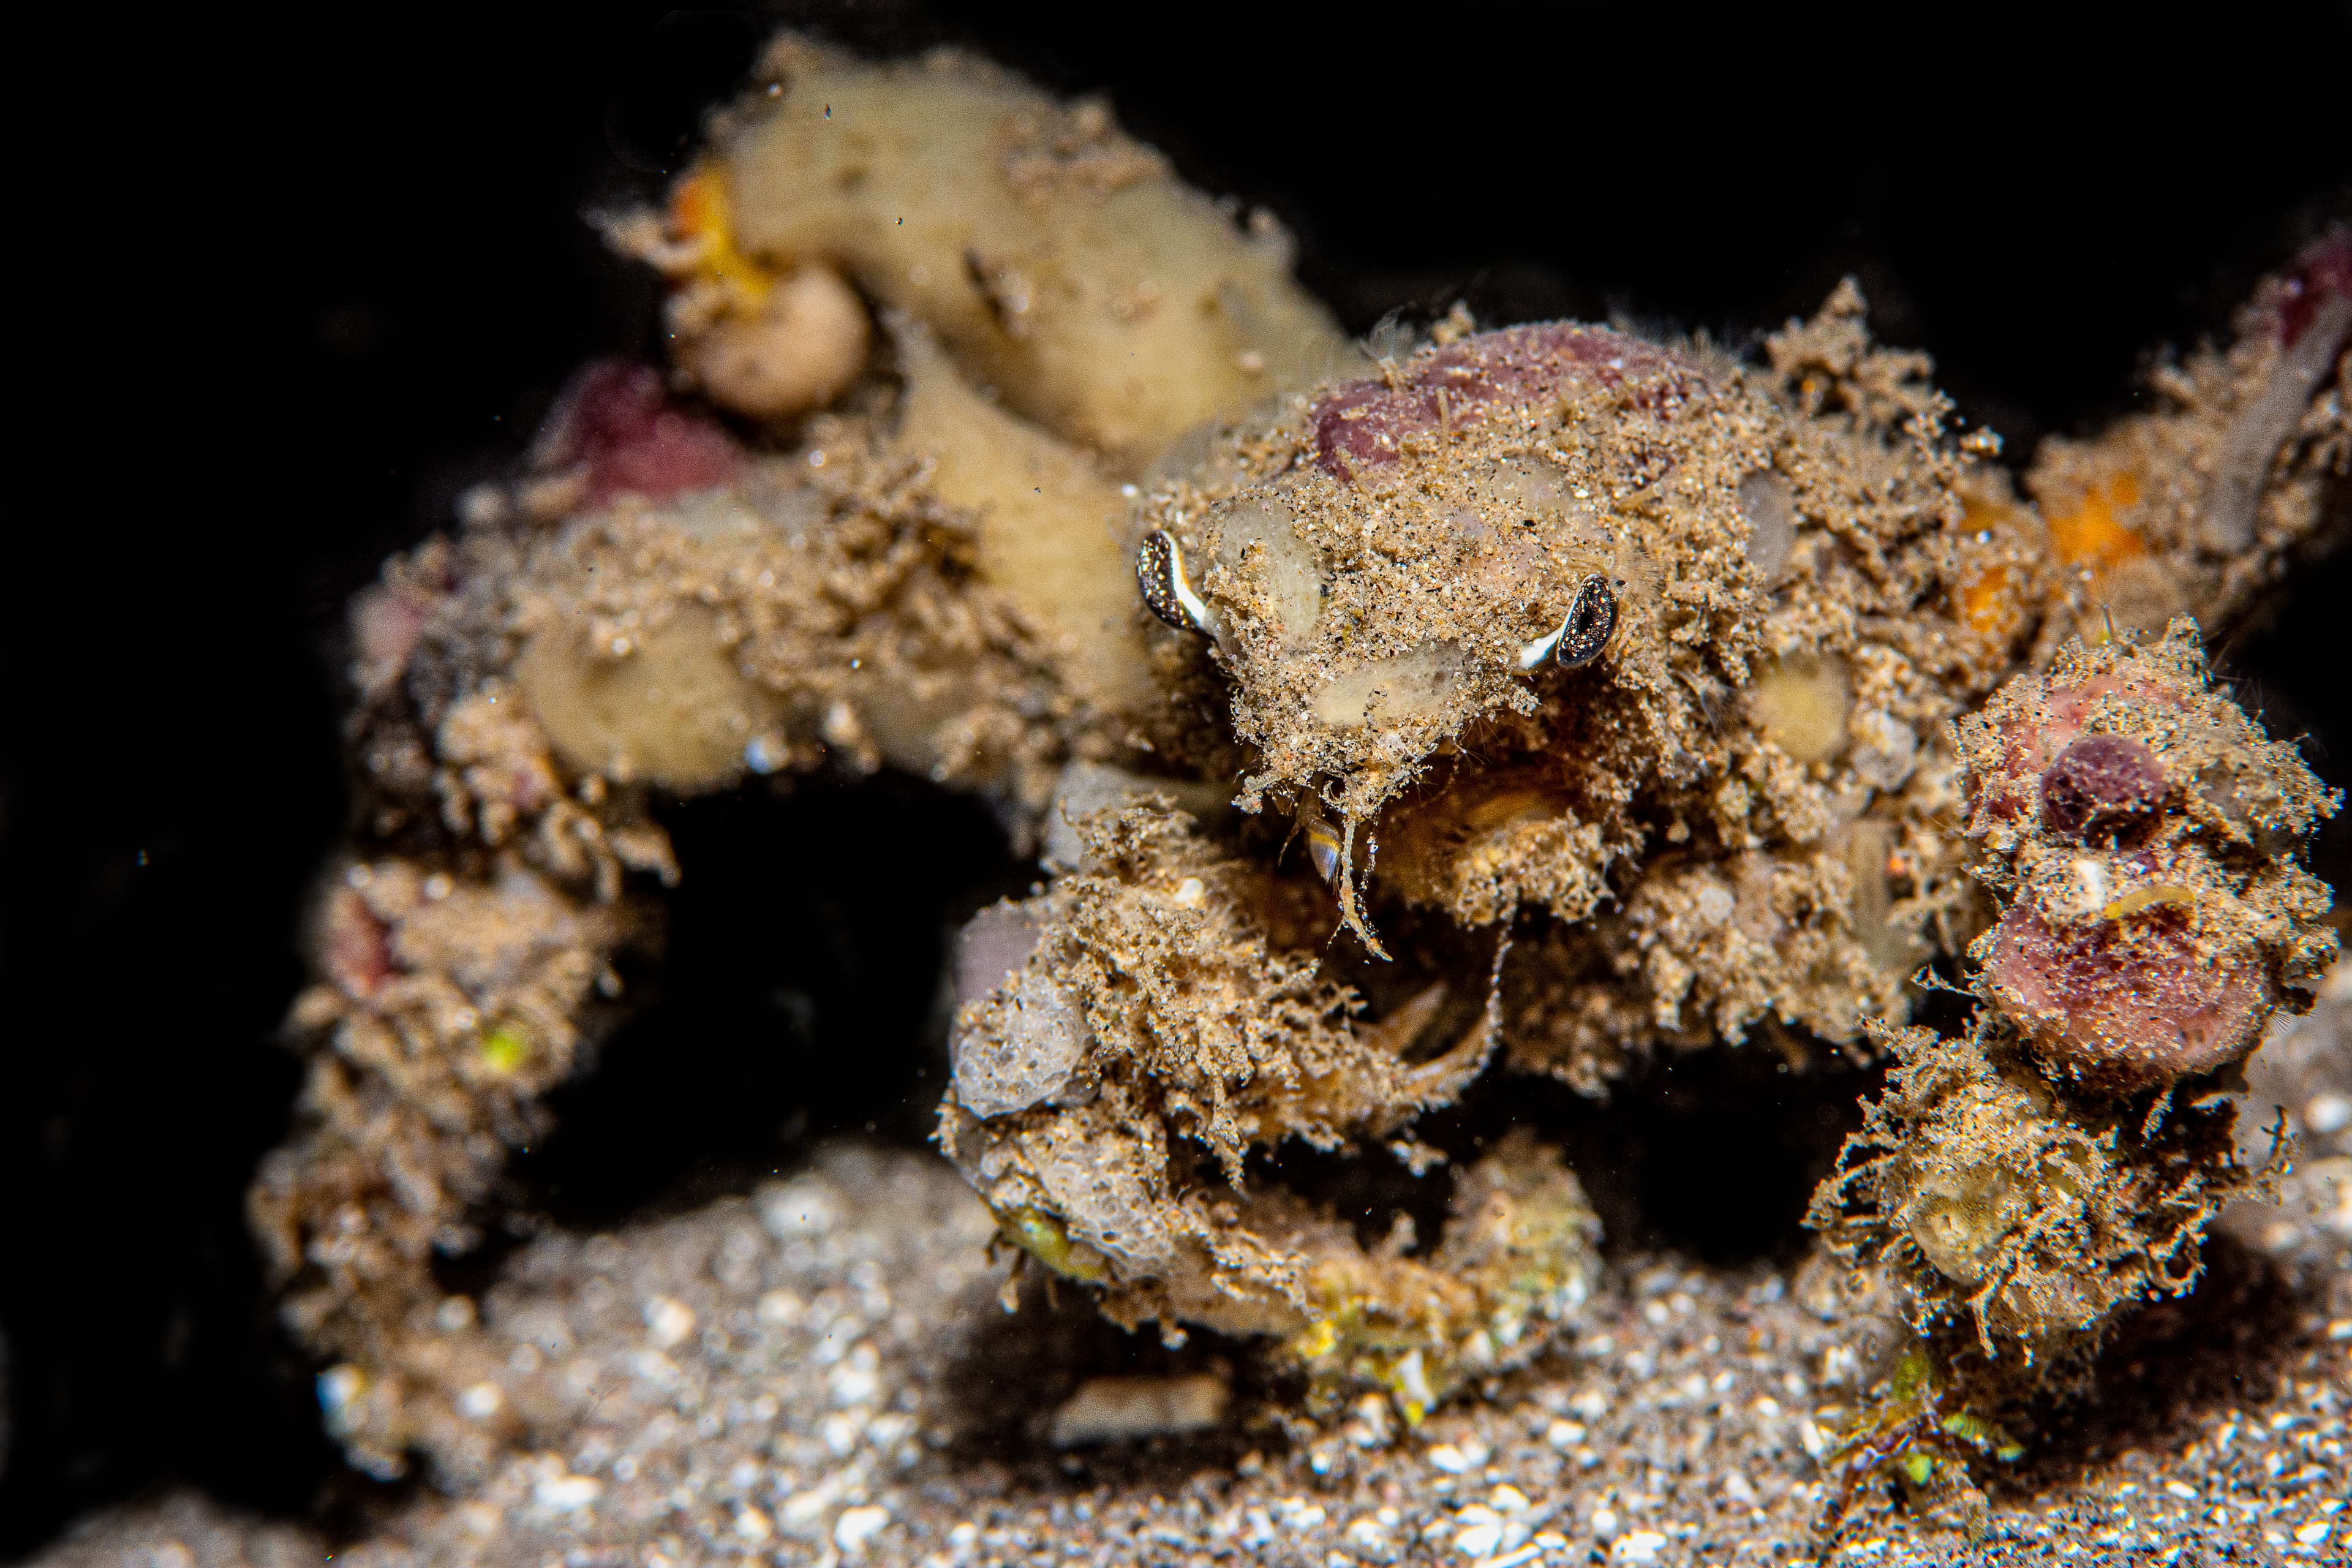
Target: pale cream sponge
pixel 1051 526
pixel 1065 265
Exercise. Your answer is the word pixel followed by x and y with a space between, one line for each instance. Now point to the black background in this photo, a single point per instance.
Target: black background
pixel 283 290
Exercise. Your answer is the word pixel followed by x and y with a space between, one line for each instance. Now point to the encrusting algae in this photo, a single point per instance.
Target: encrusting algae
pixel 1530 700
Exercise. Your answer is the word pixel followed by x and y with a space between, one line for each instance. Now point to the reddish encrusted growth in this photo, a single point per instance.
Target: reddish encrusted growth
pixel 2101 787
pixel 2006 781
pixel 2122 1004
pixel 354 946
pixel 1364 423
pixel 2321 274
pixel 2145 836
pixel 616 421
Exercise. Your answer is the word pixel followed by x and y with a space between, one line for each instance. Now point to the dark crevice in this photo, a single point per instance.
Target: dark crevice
pixel 800 994
pixel 1014 1370
pixel 1711 1153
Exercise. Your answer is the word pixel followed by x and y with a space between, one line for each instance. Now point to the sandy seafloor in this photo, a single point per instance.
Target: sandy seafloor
pixel 822 1374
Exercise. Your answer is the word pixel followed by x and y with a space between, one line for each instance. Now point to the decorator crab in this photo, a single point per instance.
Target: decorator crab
pixel 1525 700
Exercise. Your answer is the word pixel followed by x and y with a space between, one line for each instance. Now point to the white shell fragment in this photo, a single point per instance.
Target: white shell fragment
pixel 1770 505
pixel 1118 1409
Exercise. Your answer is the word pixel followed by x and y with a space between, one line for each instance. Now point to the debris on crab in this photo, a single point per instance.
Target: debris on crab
pixel 2029 1181
pixel 2147 836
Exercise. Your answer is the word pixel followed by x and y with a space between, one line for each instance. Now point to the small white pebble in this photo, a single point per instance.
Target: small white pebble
pixel 668 1321
pixel 1642 1546
pixel 1478 1540
pixel 2328 1112
pixel 857 1526
pixel 1507 1498
pixel 766 753
pixel 2310 1534
pixel 752 1525
pixel 1564 1433
pixel 1449 1458
pixel 561 1494
pixel 480 1402
pixel 801 1208
pixel 1604 1522
pixel 339 1387
pixel 855 1380
pixel 2179 1490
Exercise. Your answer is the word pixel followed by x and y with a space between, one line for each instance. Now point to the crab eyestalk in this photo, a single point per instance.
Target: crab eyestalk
pixel 1166 587
pixel 1584 633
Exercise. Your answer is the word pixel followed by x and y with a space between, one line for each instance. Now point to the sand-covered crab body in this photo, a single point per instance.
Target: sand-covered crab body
pixel 1379 571
pixel 1552 619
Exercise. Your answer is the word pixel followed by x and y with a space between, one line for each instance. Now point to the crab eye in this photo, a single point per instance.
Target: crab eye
pixel 1591 617
pixel 1167 591
pixel 1582 633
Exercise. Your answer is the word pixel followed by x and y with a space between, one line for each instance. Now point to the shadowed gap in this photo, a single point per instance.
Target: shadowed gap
pixel 1712 1152
pixel 800 994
